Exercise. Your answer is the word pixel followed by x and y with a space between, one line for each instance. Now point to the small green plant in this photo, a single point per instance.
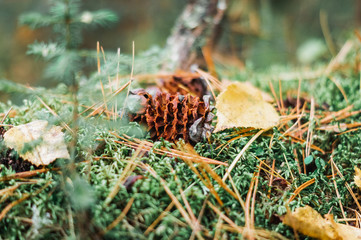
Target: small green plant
pixel 89 197
pixel 66 60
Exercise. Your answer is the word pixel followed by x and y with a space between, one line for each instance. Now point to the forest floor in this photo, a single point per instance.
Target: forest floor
pixel 120 184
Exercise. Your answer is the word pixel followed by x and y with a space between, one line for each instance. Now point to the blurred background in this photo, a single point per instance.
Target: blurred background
pixel 258 33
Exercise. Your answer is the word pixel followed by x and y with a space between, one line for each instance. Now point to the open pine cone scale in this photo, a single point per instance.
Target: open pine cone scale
pixel 172 116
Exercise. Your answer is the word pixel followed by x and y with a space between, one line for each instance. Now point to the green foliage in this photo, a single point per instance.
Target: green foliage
pixel 67 21
pixel 82 196
pixel 73 205
pixel 46 51
pixel 308 159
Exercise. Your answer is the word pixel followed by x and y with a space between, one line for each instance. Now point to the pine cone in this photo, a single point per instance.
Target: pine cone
pixel 184 83
pixel 172 116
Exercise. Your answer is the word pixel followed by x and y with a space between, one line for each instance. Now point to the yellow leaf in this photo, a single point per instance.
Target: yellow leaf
pixel 242 105
pixel 265 96
pixel 309 222
pixel 49 142
pixel 357 177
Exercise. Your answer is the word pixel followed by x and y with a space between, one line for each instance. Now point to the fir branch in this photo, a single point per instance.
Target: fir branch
pixel 45 50
pixel 64 67
pixel 65 9
pixel 37 20
pixel 7 86
pixel 12 87
pixel 98 18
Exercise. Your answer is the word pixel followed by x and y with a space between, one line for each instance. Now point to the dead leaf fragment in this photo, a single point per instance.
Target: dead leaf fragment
pixel 50 140
pixel 309 222
pixel 357 177
pixel 339 127
pixel 242 105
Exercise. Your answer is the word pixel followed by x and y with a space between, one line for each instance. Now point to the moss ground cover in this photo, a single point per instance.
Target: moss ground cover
pixel 114 188
pixel 121 184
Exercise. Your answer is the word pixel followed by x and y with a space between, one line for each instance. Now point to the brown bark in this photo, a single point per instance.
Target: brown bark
pixel 196 23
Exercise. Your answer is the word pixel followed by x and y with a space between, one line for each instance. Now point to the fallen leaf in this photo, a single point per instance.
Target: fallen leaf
pixel 47 142
pixel 242 105
pixel 309 222
pixel 339 127
pixel 357 177
pixel 265 96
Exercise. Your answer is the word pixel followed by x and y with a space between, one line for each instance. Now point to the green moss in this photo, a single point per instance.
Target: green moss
pixel 74 203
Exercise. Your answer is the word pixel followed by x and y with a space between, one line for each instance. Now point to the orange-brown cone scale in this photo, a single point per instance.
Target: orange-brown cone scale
pixel 172 116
